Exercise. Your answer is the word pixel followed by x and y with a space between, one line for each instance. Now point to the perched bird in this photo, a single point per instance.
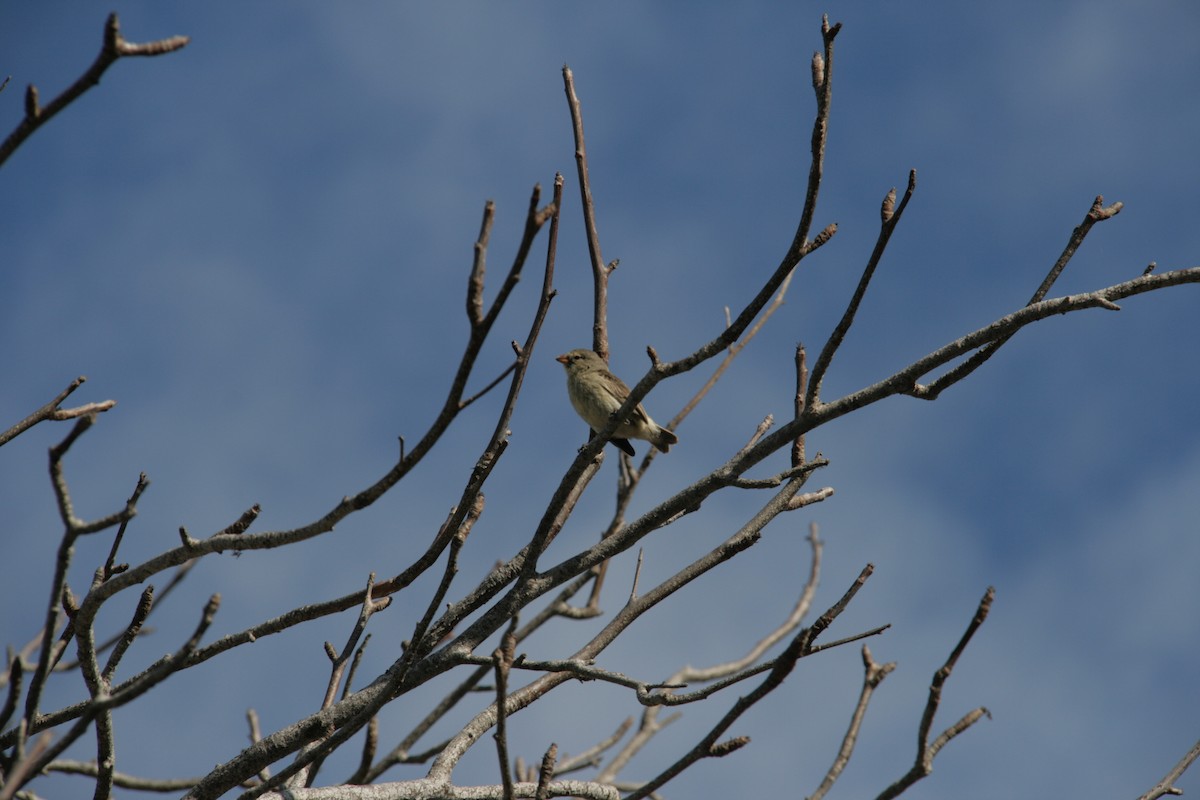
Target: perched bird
pixel 596 394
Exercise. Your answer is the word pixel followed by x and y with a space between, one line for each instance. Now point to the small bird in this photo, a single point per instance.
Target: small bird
pixel 596 394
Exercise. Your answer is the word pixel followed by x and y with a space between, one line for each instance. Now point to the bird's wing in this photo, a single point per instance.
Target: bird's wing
pixel 619 392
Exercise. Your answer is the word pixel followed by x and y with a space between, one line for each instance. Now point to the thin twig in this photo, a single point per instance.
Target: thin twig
pixel 822 82
pixel 600 270
pixel 747 536
pixel 341 660
pixel 650 723
pixel 362 707
pixel 144 606
pixel 114 47
pixel 103 703
pixel 121 780
pixel 73 529
pixel 26 764
pixel 891 218
pixel 675 699
pixel 926 751
pixel 110 567
pixel 400 754
pixel 1167 784
pixel 192 549
pixel 801 393
pixel 264 774
pixel 800 247
pixel 51 411
pixel 591 756
pixel 1097 213
pixel 370 747
pixel 491 385
pixel 479 266
pixel 503 660
pixel 546 772
pixel 708 747
pixel 873 675
pixel 904 381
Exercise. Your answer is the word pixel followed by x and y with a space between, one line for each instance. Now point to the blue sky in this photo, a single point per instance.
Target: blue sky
pixel 259 245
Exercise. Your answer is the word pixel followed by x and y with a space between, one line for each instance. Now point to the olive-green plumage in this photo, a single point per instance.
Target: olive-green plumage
pixel 596 394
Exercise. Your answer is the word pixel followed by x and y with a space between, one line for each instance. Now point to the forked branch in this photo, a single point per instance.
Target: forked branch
pixel 113 48
pixel 1097 213
pixel 926 750
pixel 51 411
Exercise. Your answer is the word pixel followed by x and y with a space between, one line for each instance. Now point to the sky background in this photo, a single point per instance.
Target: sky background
pixel 259 247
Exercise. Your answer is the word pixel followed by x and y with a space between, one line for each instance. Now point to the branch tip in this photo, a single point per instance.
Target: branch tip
pixel 32 108
pixel 112 31
pixel 728 746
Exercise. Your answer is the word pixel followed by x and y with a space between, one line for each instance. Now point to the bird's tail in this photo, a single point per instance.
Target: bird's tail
pixel 663 439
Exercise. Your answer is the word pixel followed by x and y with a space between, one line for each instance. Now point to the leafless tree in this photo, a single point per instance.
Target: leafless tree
pixel 523 593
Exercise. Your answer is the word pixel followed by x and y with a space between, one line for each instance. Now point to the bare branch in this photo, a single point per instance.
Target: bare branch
pixel 558 607
pixel 1097 213
pixel 748 535
pixel 25 765
pixel 131 631
pixel 801 246
pixel 359 709
pixel 923 765
pixel 451 635
pixel 798 612
pixel 671 699
pixel 479 267
pixel 905 381
pixel 801 471
pixel 808 498
pixel 16 674
pixel 192 548
pixel 891 218
pixel 294 773
pixel 370 747
pixel 734 349
pixel 1167 785
pixel 110 568
pixel 103 701
pixel 940 677
pixel 822 69
pixel 264 774
pixel 873 675
pixel 591 756
pixel 599 271
pixel 546 772
pixel 491 385
pixel 51 411
pixel 786 662
pixel 122 780
pixel 74 528
pixel 503 658
pixel 114 47
pixel 801 393
pixel 338 664
pixel 444 790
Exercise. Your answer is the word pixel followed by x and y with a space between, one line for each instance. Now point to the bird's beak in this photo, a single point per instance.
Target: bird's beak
pixel 562 359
